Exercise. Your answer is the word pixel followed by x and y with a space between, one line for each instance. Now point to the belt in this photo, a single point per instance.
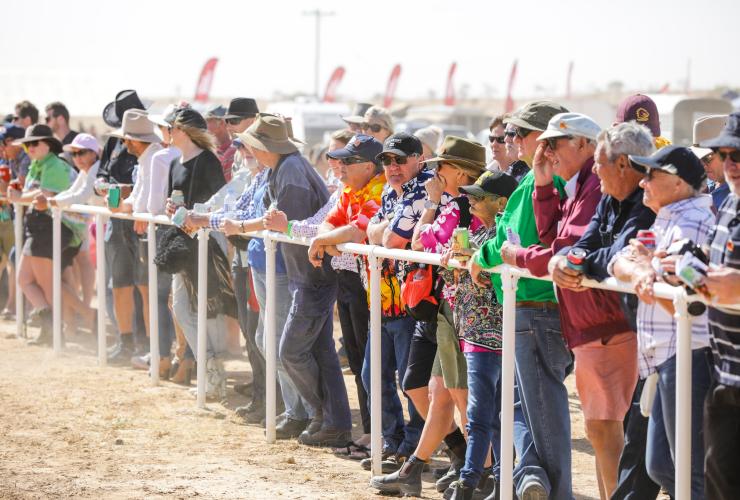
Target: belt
pixel 537 305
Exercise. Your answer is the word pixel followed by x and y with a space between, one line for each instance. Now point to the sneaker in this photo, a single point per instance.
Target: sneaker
pixel 452 475
pixel 458 491
pixel 315 426
pixel 533 490
pixel 141 362
pixel 327 438
pixel 406 480
pixel 290 428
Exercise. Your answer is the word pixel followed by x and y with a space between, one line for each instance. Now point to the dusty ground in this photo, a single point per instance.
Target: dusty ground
pixel 69 429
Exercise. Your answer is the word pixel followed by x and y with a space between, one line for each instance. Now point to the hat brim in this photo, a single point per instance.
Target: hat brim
pixel 456 160
pixel 396 152
pixel 109 115
pixel 32 138
pixel 644 163
pixel 281 147
pixel 244 116
pixel 476 191
pixel 515 120
pixel 338 154
pixel 69 148
pixel 551 134
pixel 700 152
pixel 354 119
pixel 135 137
pixel 722 141
pixel 159 120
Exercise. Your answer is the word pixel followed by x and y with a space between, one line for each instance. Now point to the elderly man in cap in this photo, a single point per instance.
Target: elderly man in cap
pixel 377 123
pixel 544 398
pixel 355 120
pixel 673 182
pixel 218 128
pixel 722 406
pixel 307 346
pixel 705 128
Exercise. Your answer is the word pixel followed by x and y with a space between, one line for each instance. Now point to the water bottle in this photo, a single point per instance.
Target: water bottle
pixel 229 202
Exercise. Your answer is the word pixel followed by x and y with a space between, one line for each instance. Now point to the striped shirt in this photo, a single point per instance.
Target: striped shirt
pixel 690 218
pixel 724 325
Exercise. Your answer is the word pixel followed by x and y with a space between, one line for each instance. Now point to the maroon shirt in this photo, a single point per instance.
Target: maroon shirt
pixel 587 315
pixel 225 153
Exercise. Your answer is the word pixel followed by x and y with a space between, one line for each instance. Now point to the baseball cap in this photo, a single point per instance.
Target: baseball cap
pixel 573 124
pixel 535 115
pixel 491 184
pixel 83 141
pixel 361 145
pixel 380 116
pixel 11 131
pixel 705 128
pixel 675 160
pixel 642 109
pixel 217 112
pixel 402 144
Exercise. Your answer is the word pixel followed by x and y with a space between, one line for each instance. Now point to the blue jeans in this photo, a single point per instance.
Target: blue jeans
pixel 661 434
pixel 395 341
pixel 309 354
pixel 484 422
pixel 294 405
pixel 542 363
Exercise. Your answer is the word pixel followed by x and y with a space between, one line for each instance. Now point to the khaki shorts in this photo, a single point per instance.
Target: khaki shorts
pixel 606 376
pixel 7 237
pixel 449 363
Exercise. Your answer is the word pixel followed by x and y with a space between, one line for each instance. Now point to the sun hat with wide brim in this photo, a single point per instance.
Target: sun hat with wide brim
pixel 125 100
pixel 136 127
pixel 358 113
pixel 269 133
pixel 729 137
pixel 463 153
pixel 38 132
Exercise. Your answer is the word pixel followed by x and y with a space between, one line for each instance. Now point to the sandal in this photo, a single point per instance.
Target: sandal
pixel 353 452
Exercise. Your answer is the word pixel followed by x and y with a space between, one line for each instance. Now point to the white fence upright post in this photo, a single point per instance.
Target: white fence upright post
pixel 376 423
pixel 270 341
pixel 153 304
pixel 683 398
pixel 509 284
pixel 101 285
pixel 57 279
pixel 20 330
pixel 202 315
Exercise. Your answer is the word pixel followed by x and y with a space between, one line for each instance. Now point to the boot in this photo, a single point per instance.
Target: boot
pixel 452 475
pixel 215 379
pixel 184 372
pixel 458 491
pixel 406 480
pixel 164 368
pixel 45 336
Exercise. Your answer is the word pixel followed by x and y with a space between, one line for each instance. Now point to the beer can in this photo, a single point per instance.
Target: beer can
pixel 177 197
pixel 576 256
pixel 5 173
pixel 647 238
pixel 461 236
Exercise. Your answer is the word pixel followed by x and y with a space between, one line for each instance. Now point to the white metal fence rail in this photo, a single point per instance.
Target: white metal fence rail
pixel 375 254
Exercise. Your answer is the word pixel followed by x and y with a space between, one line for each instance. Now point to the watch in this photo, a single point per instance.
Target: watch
pixel 430 205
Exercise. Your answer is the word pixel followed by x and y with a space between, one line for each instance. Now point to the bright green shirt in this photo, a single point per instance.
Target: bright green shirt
pixel 519 216
pixel 50 173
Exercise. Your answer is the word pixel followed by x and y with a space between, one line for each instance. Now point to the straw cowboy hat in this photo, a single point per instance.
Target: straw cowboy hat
pixel 136 127
pixel 269 133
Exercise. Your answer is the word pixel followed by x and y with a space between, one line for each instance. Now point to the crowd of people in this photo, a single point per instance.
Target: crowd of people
pixel 562 197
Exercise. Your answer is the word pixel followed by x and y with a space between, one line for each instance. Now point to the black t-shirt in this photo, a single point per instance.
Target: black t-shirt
pixel 69 137
pixel 198 178
pixel 116 164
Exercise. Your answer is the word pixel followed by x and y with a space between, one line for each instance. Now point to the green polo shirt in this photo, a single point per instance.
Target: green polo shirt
pixel 50 173
pixel 519 216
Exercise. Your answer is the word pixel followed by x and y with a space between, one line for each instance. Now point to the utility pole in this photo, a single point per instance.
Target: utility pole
pixel 318 14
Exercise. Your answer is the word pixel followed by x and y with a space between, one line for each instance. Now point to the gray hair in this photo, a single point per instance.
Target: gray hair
pixel 627 138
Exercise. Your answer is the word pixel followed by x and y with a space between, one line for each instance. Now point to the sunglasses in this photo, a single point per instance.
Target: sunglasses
pixel 398 160
pixel 32 144
pixel 353 160
pixel 82 152
pixel 552 142
pixel 501 139
pixel 522 132
pixel 734 155
pixel 234 121
pixel 373 127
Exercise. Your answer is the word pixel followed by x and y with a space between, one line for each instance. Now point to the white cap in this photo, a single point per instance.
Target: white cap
pixel 83 141
pixel 573 124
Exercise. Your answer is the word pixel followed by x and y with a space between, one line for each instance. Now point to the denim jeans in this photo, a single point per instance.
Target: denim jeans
pixel 242 282
pixel 295 406
pixel 309 354
pixel 542 363
pixel 661 434
pixel 395 341
pixel 187 318
pixel 484 403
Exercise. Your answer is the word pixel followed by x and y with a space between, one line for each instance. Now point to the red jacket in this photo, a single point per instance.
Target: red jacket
pixel 587 315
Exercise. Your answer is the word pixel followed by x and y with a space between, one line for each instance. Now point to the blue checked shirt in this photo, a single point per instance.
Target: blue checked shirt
pixel 245 205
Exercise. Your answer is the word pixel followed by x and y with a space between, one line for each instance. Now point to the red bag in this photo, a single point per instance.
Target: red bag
pixel 421 292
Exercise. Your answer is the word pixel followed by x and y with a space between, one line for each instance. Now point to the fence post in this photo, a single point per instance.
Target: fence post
pixel 683 398
pixel 153 308
pixel 376 422
pixel 57 279
pixel 101 286
pixel 20 330
pixel 509 284
pixel 270 340
pixel 202 315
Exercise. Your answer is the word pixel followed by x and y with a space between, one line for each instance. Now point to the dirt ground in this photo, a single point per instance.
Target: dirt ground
pixel 70 429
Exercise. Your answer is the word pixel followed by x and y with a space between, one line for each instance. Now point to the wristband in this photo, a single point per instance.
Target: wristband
pixel 290 228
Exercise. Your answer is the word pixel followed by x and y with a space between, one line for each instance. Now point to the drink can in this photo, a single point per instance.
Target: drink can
pixel 178 218
pixel 576 256
pixel 5 173
pixel 647 238
pixel 461 236
pixel 177 197
pixel 114 196
pixel 15 184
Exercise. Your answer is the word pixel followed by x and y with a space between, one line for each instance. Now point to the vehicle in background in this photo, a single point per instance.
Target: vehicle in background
pixel 312 122
pixel 467 119
pixel 679 112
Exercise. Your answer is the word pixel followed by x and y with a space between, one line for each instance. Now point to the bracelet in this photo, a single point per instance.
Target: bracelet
pixel 290 228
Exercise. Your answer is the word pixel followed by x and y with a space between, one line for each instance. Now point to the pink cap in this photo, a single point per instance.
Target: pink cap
pixel 83 141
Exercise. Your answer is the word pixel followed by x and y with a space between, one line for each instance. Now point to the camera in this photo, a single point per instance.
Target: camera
pixel 691 269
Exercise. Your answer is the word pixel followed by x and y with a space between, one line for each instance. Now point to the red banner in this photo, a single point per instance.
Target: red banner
pixel 450 90
pixel 203 89
pixel 390 89
pixel 330 94
pixel 509 106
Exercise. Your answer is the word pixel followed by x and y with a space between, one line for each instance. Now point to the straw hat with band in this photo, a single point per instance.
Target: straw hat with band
pixel 269 133
pixel 466 155
pixel 136 127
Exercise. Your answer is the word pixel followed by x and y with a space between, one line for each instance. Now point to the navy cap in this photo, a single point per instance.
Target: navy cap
pixel 402 144
pixel 675 160
pixel 11 131
pixel 361 145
